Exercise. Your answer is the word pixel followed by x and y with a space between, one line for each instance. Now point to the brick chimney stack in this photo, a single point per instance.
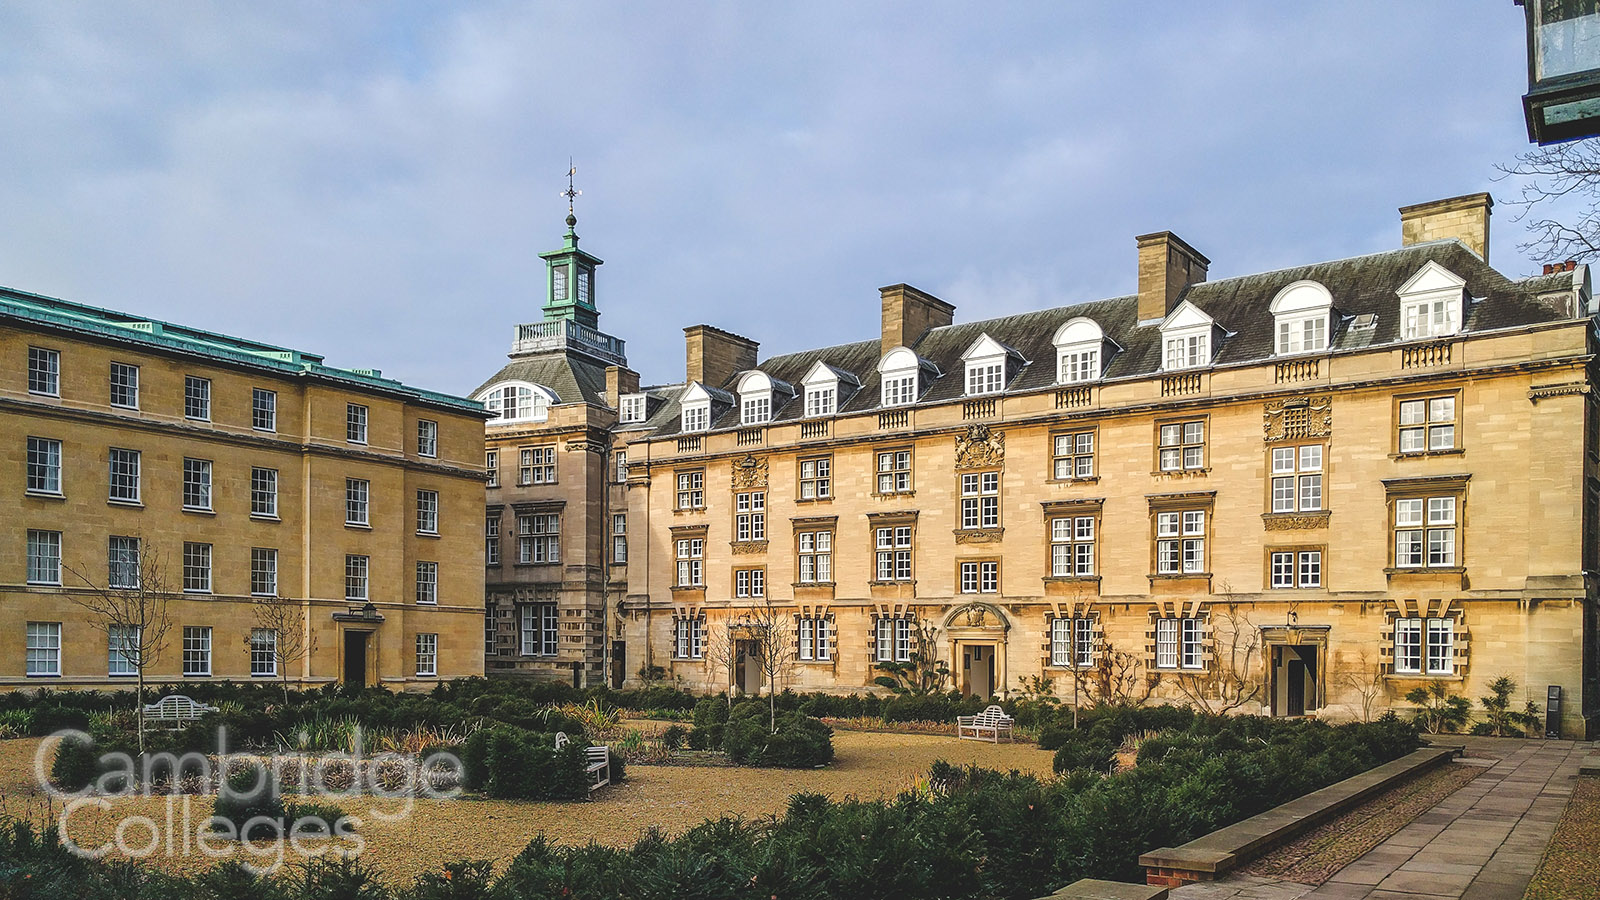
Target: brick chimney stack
pixel 714 355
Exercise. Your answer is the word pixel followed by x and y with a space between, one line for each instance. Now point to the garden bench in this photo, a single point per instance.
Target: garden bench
pixel 175 711
pixel 597 761
pixel 988 725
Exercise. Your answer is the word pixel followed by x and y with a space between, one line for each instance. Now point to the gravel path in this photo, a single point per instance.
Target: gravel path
pixel 866 765
pixel 1570 869
pixel 1316 855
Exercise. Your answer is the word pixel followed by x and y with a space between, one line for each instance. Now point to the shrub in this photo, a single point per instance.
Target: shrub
pixel 77 764
pixel 53 717
pixel 514 763
pixel 248 794
pixel 800 742
pixel 1440 711
pixel 673 737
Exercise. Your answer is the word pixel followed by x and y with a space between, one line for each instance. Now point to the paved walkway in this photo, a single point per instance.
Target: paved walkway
pixel 1482 842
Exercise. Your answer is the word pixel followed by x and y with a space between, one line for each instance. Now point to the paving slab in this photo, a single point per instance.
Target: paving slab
pixel 1483 842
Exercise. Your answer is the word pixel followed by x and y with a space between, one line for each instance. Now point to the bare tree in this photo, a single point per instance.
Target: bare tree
pixel 1559 194
pixel 775 645
pixel 1365 679
pixel 722 652
pixel 130 609
pixel 1232 679
pixel 293 639
pixel 1120 678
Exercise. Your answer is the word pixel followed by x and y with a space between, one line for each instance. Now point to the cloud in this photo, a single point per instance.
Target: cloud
pixel 374 182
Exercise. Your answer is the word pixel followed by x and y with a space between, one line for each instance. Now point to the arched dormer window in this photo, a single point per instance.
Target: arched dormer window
pixel 696 408
pixel 1081 350
pixel 518 401
pixel 1432 303
pixel 1302 316
pixel 755 398
pixel 899 370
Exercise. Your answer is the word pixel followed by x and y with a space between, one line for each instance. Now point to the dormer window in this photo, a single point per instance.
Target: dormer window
pixel 633 409
pixel 697 417
pixel 1187 351
pixel 822 401
pixel 1081 351
pixel 1431 303
pixel 517 402
pixel 1188 338
pixel 986 363
pixel 696 408
pixel 825 388
pixel 899 370
pixel 755 410
pixel 1302 315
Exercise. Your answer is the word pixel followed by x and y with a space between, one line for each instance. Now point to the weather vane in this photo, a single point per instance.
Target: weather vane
pixel 571 192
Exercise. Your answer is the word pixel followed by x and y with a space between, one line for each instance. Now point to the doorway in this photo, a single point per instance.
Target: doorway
pixel 619 663
pixel 355 658
pixel 977 670
pixel 747 666
pixel 1294 679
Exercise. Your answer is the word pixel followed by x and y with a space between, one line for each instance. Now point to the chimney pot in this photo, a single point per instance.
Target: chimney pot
pixel 1549 268
pixel 1465 218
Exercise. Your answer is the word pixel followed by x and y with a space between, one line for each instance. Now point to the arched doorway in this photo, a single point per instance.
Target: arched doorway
pixel 976 633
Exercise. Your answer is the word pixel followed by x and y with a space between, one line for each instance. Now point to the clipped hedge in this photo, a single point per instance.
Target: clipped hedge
pixel 800 741
pixel 516 764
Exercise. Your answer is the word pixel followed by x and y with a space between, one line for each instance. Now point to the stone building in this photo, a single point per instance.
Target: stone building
pixel 1305 491
pixel 240 471
pixel 556 526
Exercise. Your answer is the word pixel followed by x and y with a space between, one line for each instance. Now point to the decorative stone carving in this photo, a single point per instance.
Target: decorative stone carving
pixel 749 473
pixel 978 535
pixel 980 448
pixel 746 548
pixel 1295 522
pixel 1295 418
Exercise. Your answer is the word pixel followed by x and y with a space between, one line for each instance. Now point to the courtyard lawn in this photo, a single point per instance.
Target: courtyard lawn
pixel 673 798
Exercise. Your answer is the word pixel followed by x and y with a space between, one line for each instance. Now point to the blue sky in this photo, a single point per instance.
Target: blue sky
pixel 374 181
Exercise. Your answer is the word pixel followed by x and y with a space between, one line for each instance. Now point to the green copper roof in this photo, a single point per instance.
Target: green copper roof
pixel 62 315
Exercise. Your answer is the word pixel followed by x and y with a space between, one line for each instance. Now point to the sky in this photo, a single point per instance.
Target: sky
pixel 374 181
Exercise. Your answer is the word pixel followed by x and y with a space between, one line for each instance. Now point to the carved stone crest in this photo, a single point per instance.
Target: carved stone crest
pixel 980 448
pixel 1285 522
pixel 749 473
pixel 1294 418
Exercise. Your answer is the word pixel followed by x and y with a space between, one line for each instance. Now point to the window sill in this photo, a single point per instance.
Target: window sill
pixel 536 565
pixel 1425 570
pixel 1425 454
pixel 428 534
pixel 259 429
pixel 197 592
pixel 263 517
pixel 358 526
pixel 1179 670
pixel 813 500
pixel 46 495
pixel 909 581
pixel 815 662
pixel 55 396
pixel 428 603
pixel 197 511
pixel 263 674
pixel 1424 676
pixel 1087 479
pixel 1179 576
pixel 691 588
pixel 131 504
pixel 1181 473
pixel 688 510
pixel 1072 579
pixel 802 585
pixel 197 674
pixel 43 674
pixel 49 584
pixel 355 443
pixel 890 495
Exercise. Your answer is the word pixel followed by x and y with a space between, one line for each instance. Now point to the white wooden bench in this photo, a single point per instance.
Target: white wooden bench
pixel 175 711
pixel 597 761
pixel 988 725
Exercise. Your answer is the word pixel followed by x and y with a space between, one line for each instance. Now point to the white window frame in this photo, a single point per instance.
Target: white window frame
pixel 1301 334
pixel 124 383
pixel 122 651
pixel 44 372
pixel 196 651
pixel 814 552
pixel 197 484
pixel 538 539
pixel 1427 424
pixel 1424 645
pixel 427 584
pixel 816 638
pixel 900 389
pixel 125 481
pixel 43 650
pixel 619 537
pixel 750 516
pixel 122 561
pixel 894 471
pixel 691 489
pixel 263 492
pixel 1072 455
pixel 1072 642
pixel 894 641
pixel 357 501
pixel 980 500
pixel 755 408
pixel 816 478
pixel 1182 445
pixel 491 539
pixel 1072 546
pixel 44 466
pixel 196 398
pixel 894 545
pixel 263 572
pixel 44 557
pixel 196 567
pixel 263 653
pixel 631 409
pixel 263 409
pixel 427 654
pixel 1181 542
pixel 539 626
pixel 690 556
pixel 697 416
pixel 986 375
pixel 356 420
pixel 1186 349
pixel 357 576
pixel 1297 478
pixel 427 438
pixel 428 512
pixel 822 400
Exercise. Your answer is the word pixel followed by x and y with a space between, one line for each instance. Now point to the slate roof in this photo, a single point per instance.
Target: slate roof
pixel 1359 285
pixel 574 378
